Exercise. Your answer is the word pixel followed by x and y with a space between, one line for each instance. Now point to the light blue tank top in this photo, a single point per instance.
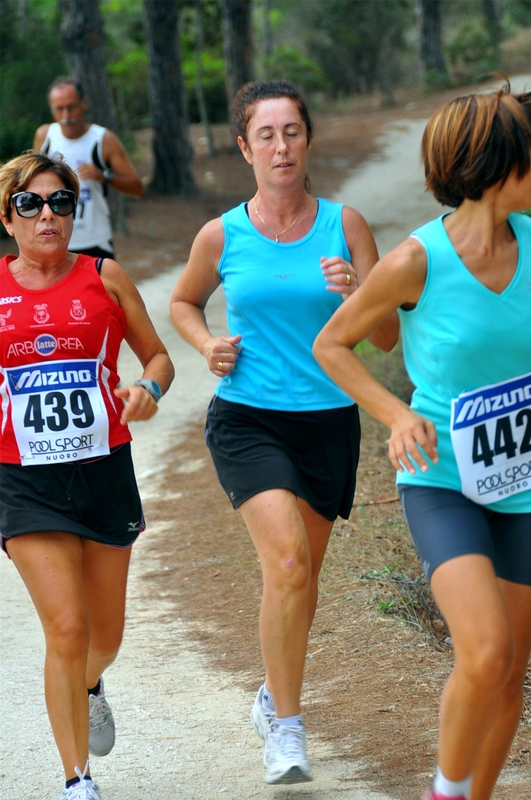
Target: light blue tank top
pixel 277 300
pixel 468 352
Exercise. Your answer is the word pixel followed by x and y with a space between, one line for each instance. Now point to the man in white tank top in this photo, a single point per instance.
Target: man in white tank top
pixel 97 156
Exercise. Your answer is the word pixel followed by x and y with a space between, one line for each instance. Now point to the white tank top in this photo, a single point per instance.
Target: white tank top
pixel 92 225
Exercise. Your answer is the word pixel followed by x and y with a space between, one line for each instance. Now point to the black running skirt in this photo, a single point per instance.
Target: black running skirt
pixel 314 454
pixel 96 499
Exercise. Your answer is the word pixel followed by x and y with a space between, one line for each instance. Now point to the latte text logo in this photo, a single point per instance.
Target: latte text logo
pixel 44 345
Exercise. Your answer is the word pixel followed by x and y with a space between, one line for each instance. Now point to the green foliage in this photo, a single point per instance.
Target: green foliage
pixel 288 63
pixel 411 601
pixel 127 61
pixel 30 58
pixel 213 81
pixel 212 62
pixel 129 82
pixel 518 12
pixel 435 80
pixel 471 52
pixel 212 24
pixel 357 42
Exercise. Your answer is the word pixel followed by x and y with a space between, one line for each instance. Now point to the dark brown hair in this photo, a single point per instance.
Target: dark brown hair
pixel 475 142
pixel 243 105
pixel 17 174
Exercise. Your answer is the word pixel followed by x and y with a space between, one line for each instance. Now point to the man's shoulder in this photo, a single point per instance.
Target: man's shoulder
pixel 94 128
pixel 40 135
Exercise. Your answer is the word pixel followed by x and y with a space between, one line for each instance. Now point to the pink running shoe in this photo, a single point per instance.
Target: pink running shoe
pixel 430 794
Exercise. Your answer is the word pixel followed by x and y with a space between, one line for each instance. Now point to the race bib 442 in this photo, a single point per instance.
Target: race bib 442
pixel 491 438
pixel 58 411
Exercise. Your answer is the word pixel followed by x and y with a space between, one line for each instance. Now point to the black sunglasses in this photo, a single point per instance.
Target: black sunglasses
pixel 28 204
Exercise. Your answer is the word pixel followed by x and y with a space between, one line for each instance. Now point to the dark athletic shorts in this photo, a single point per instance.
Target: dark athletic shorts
pixel 96 499
pixel 445 524
pixel 314 454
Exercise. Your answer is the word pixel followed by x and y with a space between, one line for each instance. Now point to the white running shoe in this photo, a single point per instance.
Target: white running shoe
pixel 261 717
pixel 84 790
pixel 101 720
pixel 285 756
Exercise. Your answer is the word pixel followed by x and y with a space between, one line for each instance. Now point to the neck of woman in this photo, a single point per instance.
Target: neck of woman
pixel 282 217
pixel 33 274
pixel 481 222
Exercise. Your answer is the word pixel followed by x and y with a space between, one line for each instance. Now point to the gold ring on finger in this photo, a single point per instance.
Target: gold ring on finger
pixel 220 366
pixel 348 278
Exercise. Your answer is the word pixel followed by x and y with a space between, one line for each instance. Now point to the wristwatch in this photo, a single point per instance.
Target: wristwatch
pixel 151 387
pixel 108 174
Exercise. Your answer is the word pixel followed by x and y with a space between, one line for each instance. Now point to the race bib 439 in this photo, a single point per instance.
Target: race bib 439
pixel 58 411
pixel 491 437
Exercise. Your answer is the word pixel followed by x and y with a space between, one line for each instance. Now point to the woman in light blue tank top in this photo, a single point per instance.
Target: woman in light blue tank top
pixel 284 438
pixel 462 450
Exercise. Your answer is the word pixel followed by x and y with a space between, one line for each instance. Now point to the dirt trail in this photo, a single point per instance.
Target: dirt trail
pixel 183 730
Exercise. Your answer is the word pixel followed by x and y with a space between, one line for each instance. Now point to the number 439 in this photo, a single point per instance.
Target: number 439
pixel 80 411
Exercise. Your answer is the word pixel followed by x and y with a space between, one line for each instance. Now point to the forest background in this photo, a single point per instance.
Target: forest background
pixel 166 63
pixel 162 73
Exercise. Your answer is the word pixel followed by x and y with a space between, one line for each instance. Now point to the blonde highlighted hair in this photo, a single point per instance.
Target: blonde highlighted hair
pixel 475 142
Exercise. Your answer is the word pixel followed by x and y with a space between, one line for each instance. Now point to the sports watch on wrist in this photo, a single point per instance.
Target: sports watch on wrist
pixel 151 387
pixel 108 174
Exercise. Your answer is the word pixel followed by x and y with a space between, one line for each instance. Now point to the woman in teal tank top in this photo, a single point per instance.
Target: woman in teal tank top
pixel 284 438
pixel 462 450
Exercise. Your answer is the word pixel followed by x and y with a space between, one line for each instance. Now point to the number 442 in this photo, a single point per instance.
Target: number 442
pixel 504 440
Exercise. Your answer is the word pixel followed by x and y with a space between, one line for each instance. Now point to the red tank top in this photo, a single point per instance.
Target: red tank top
pixel 58 368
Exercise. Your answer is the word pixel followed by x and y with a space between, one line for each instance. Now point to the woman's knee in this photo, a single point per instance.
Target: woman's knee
pixel 106 642
pixel 290 570
pixel 489 665
pixel 67 635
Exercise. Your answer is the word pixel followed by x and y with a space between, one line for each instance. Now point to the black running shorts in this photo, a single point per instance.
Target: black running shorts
pixel 445 524
pixel 314 454
pixel 96 499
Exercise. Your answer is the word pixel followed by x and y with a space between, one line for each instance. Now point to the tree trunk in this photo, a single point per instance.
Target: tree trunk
pixel 387 72
pixel 492 21
pixel 382 21
pixel 268 31
pixel 172 151
pixel 433 68
pixel 84 47
pixel 199 45
pixel 237 44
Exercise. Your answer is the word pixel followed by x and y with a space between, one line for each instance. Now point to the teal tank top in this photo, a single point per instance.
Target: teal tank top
pixel 468 352
pixel 277 300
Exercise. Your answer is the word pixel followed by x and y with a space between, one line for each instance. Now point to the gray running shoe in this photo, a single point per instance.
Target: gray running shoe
pixel 262 718
pixel 84 790
pixel 101 720
pixel 285 756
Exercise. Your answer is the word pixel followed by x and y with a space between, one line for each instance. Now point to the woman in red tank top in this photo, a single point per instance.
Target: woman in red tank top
pixel 70 508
